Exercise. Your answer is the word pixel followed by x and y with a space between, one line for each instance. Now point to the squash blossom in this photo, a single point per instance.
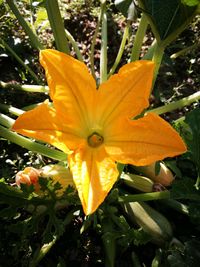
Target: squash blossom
pixel 96 128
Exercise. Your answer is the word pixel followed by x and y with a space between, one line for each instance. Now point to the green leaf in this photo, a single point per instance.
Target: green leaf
pixel 41 19
pixel 127 8
pixel 167 16
pixel 193 139
pixel 190 2
pixel 185 189
pixel 194 213
pixel 187 256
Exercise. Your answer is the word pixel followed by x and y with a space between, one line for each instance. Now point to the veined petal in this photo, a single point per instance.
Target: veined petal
pixel 72 87
pixel 94 174
pixel 143 141
pixel 125 93
pixel 44 124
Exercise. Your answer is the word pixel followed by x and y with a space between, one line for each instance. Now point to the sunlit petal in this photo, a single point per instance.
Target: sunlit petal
pixel 125 93
pixel 72 87
pixel 94 174
pixel 142 141
pixel 44 124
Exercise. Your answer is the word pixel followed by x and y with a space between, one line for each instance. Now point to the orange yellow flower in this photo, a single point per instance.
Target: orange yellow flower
pixel 96 128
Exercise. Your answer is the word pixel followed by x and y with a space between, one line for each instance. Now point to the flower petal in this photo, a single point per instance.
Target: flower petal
pixel 94 174
pixel 72 87
pixel 125 93
pixel 44 124
pixel 143 141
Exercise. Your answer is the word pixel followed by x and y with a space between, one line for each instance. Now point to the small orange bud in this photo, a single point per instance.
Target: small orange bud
pixel 57 173
pixel 28 176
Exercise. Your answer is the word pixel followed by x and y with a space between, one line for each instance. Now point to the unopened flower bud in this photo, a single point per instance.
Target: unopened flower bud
pixel 58 173
pixel 28 176
pixel 164 176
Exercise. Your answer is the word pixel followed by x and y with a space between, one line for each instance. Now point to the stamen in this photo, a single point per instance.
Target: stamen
pixel 95 140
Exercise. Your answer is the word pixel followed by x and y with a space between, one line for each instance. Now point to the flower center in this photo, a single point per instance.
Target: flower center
pixel 95 140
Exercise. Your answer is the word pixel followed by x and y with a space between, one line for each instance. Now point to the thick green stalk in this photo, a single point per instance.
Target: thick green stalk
pixel 139 38
pixel 74 44
pixel 25 87
pixel 11 109
pixel 145 196
pixel 121 48
pixel 6 121
pixel 12 52
pixel 186 101
pixel 33 38
pixel 157 58
pixel 103 57
pixel 57 25
pixel 31 145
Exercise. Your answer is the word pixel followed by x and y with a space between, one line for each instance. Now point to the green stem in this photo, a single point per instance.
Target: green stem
pixel 177 104
pixel 135 260
pixel 93 48
pixel 11 109
pixel 27 88
pixel 121 48
pixel 74 44
pixel 184 51
pixel 182 208
pixel 197 182
pixel 157 58
pixel 145 196
pixel 12 52
pixel 31 145
pixel 31 16
pixel 57 26
pixel 150 52
pixel 6 121
pixel 94 41
pixel 103 57
pixel 139 38
pixel 93 45
pixel 29 107
pixel 33 38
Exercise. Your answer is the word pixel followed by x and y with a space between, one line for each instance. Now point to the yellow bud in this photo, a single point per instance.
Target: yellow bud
pixel 58 173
